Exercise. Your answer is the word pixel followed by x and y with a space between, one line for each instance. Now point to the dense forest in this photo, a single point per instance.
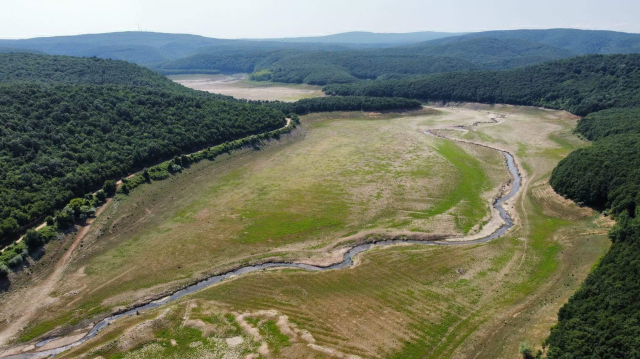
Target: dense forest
pixel 487 52
pixel 604 175
pixel 69 124
pixel 493 50
pixel 602 320
pixel 578 42
pixel 337 103
pixel 150 48
pixel 25 67
pixel 610 122
pixel 330 67
pixel 580 85
pixel 62 141
pixel 319 67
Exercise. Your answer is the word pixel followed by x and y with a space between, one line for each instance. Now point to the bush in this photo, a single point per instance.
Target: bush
pixel 65 218
pixel 101 197
pixel 33 240
pixel 109 187
pixel 16 261
pixel 525 350
pixel 75 204
pixel 49 221
pixel 48 233
pixel 4 270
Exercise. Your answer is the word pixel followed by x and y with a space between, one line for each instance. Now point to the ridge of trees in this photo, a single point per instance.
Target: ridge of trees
pixel 340 103
pixel 30 68
pixel 580 85
pixel 610 122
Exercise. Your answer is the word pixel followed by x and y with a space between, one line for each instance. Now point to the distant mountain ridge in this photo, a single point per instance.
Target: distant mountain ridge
pixel 146 47
pixel 344 57
pixel 364 37
pixel 579 42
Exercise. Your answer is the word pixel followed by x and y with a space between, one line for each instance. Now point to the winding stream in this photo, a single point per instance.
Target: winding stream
pixel 346 263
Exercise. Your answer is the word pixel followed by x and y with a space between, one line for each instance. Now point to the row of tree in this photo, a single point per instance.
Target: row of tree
pixel 342 103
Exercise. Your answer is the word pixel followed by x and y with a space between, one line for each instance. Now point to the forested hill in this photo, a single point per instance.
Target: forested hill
pixel 602 320
pixel 68 124
pixel 610 122
pixel 150 47
pixel 579 42
pixel 325 67
pixel 58 142
pixel 319 67
pixel 580 85
pixel 489 53
pixel 26 67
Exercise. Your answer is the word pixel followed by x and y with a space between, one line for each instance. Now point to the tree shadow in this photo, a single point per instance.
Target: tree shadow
pixel 5 283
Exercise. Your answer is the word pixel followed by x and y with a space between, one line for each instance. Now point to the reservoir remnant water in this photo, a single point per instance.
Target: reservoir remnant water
pixel 346 263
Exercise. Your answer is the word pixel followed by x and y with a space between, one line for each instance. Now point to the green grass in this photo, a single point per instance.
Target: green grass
pixel 275 339
pixel 465 188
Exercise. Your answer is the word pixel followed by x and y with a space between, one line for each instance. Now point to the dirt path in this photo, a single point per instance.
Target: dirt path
pixel 34 298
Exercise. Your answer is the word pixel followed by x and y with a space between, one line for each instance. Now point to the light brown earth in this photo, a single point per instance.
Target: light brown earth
pixel 239 86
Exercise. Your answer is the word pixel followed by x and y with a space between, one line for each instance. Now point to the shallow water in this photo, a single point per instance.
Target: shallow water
pixel 346 263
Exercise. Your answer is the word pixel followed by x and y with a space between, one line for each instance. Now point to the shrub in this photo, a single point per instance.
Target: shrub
pixel 16 261
pixel 4 270
pixel 64 218
pixel 48 233
pixel 101 196
pixel 525 350
pixel 33 240
pixel 109 187
pixel 75 204
pixel 49 221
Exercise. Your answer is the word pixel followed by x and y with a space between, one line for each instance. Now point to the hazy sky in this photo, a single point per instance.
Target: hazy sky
pixel 283 18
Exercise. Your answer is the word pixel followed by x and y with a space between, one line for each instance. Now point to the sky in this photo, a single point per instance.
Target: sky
pixel 293 18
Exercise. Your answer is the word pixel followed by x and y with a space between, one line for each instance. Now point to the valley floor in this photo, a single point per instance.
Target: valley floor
pixel 239 86
pixel 341 178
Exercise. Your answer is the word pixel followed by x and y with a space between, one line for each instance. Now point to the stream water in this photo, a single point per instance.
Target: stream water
pixel 346 263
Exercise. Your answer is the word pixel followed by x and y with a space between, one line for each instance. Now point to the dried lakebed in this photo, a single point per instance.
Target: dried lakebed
pixel 348 261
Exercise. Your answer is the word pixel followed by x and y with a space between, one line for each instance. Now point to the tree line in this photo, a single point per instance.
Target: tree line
pixel 342 103
pixel 580 85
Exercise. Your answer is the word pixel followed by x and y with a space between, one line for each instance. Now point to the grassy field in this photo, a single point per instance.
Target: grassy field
pixel 338 177
pixel 239 86
pixel 296 198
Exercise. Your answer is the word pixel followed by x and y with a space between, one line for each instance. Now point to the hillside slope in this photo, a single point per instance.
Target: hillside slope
pixel 62 141
pixel 324 67
pixel 579 42
pixel 370 38
pixel 580 85
pixel 25 67
pixel 148 47
pixel 493 53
